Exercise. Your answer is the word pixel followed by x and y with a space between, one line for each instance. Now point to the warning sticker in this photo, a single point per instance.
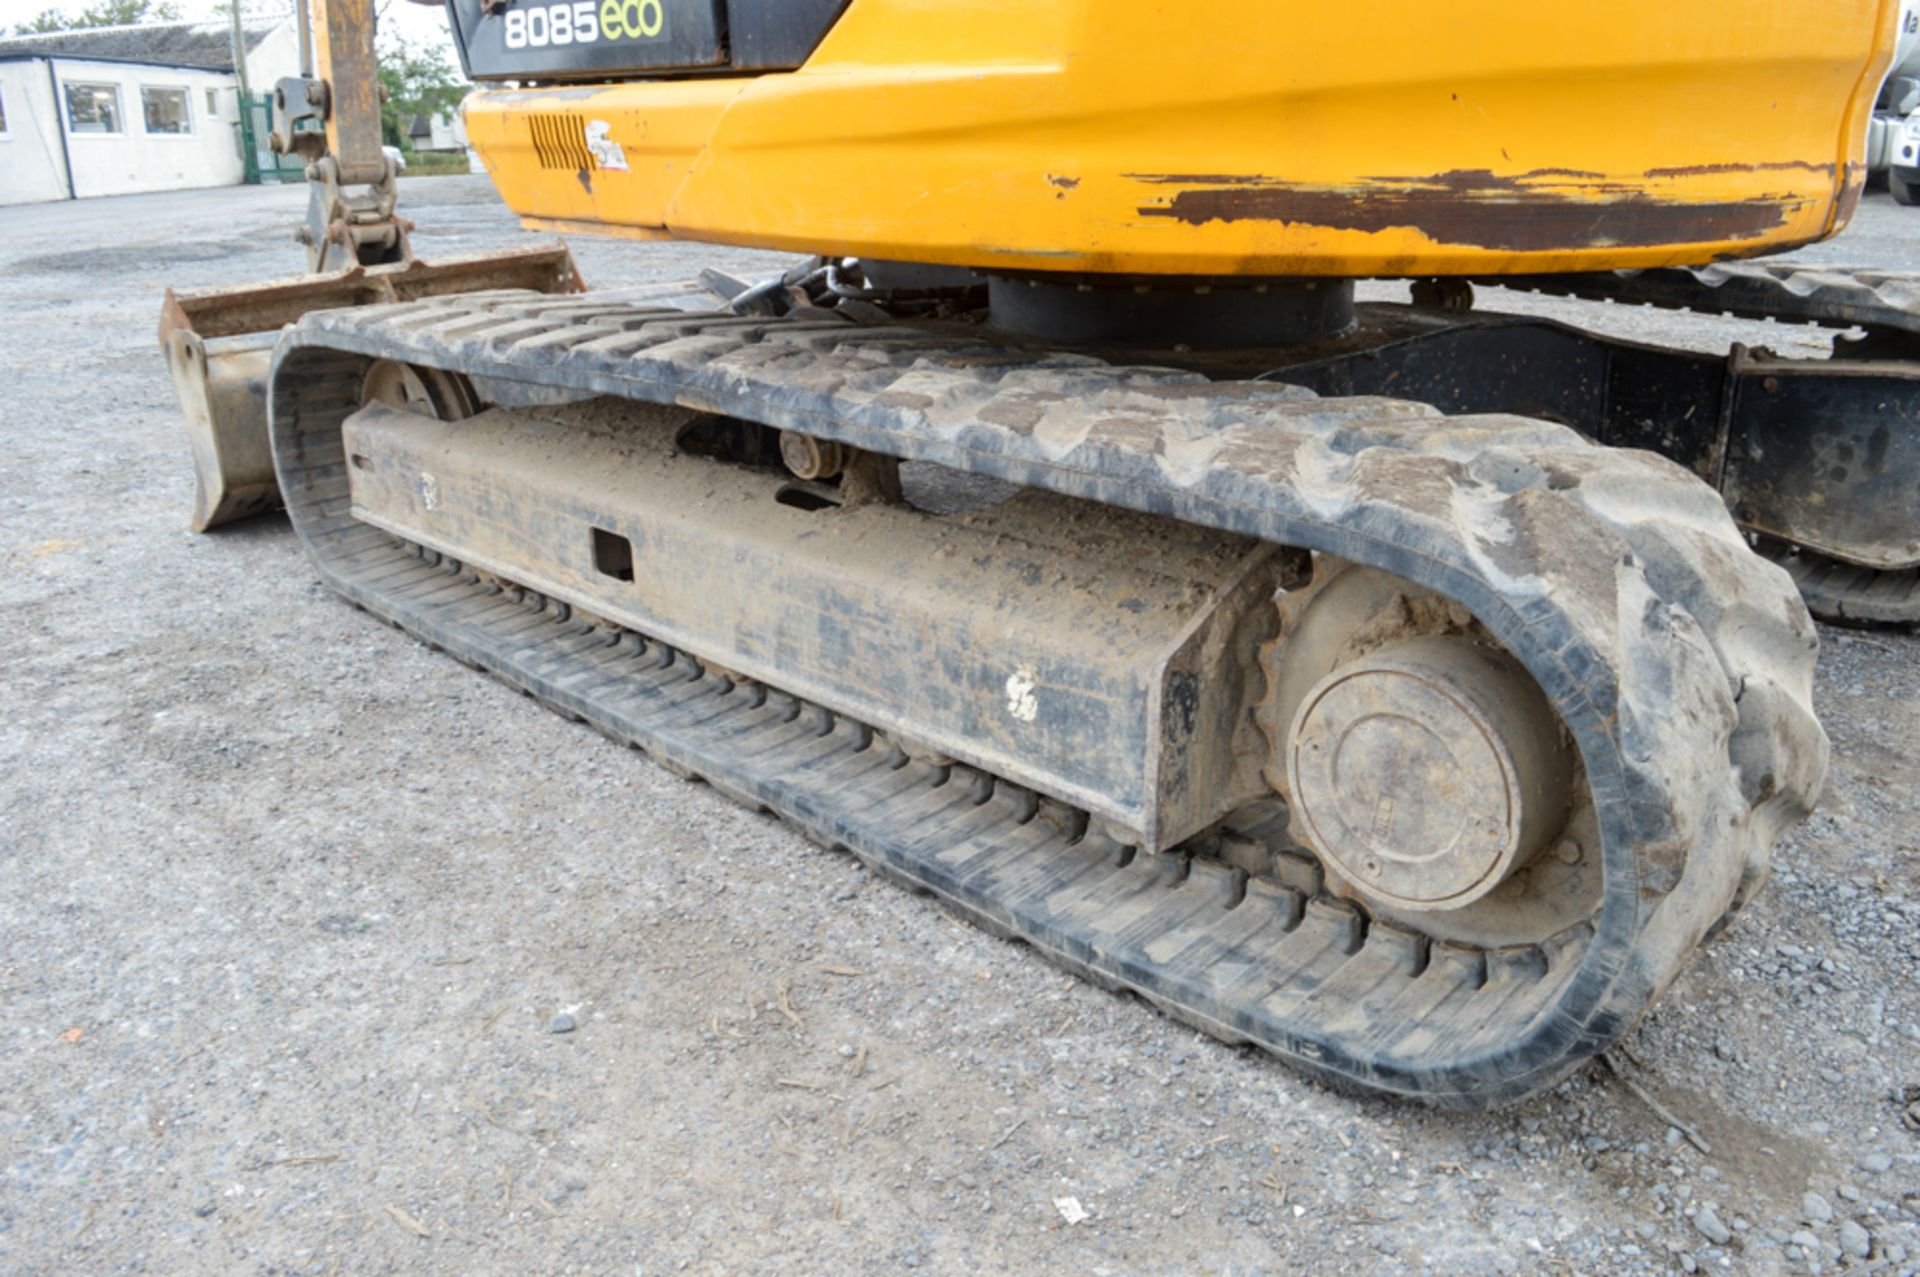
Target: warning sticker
pixel 607 153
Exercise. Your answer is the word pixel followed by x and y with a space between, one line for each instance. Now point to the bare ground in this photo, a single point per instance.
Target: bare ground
pixel 289 905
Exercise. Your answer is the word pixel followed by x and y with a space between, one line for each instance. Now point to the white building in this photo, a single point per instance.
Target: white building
pixel 437 133
pixel 113 110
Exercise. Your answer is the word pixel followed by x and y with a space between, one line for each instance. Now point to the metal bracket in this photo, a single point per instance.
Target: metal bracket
pixel 345 230
pixel 298 100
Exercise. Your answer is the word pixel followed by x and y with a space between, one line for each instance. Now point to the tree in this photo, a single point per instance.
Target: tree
pixel 418 81
pixel 251 10
pixel 107 13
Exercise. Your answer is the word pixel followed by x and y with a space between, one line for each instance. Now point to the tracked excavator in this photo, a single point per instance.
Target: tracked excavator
pixel 1403 689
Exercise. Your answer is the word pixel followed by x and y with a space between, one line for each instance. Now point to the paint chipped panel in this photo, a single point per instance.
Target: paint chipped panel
pixel 1850 194
pixel 1545 210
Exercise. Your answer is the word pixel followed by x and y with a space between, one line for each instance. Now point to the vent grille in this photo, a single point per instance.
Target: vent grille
pixel 560 140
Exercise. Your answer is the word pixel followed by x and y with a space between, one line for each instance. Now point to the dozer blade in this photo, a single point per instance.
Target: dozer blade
pixel 219 345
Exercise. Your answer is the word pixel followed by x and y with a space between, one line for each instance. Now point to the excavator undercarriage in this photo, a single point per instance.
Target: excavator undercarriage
pixel 1403 689
pixel 1195 608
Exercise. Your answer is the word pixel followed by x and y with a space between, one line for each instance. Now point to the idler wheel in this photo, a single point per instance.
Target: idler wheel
pixel 430 392
pixel 1428 771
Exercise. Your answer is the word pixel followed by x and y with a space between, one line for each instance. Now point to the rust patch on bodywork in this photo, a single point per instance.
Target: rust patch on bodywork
pixel 1534 212
pixel 1850 194
pixel 1708 170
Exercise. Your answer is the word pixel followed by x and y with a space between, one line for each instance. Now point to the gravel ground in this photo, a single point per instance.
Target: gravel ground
pixel 321 954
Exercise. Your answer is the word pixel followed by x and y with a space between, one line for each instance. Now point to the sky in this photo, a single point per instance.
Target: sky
pixel 418 24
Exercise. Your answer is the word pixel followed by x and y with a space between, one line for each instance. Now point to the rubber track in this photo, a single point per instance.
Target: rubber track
pixel 1180 928
pixel 1848 593
pixel 1830 296
pixel 1680 661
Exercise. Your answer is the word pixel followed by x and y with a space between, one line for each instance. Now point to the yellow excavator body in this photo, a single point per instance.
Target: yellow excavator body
pixel 1372 138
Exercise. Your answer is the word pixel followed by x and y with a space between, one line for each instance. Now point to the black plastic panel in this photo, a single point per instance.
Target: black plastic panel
pixel 776 34
pixel 531 40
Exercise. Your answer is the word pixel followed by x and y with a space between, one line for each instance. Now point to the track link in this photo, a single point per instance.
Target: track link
pixel 1828 296
pixel 1680 662
pixel 1846 593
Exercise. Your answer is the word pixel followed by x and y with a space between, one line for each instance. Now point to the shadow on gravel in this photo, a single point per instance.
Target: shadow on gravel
pixel 133 257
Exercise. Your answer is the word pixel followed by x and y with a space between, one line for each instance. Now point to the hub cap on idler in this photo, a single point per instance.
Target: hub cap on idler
pixel 1427 771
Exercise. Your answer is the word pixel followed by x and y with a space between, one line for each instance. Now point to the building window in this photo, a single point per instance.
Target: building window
pixel 166 110
pixel 3 111
pixel 213 102
pixel 93 108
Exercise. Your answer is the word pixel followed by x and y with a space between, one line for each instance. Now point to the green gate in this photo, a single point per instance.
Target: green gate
pixel 256 124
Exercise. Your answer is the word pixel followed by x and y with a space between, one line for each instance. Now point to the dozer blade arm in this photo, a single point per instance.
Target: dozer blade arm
pixel 219 342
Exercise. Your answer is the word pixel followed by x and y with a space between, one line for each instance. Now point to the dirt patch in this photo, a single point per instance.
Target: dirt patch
pixel 141 258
